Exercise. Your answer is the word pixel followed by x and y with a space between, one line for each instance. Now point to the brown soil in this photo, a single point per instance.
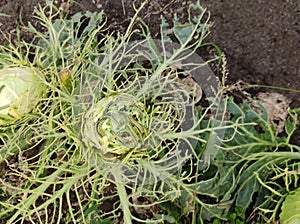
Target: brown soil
pixel 261 40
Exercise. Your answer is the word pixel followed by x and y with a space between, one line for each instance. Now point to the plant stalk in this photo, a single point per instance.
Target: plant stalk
pixel 124 202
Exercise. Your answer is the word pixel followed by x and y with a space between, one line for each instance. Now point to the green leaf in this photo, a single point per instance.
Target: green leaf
pixel 291 208
pixel 291 124
pixel 172 209
pixel 183 32
pixel 169 219
pixel 245 195
pixel 165 29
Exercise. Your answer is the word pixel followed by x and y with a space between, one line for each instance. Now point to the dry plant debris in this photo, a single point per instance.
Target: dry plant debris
pixel 277 106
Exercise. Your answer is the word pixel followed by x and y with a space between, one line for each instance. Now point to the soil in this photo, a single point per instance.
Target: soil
pixel 261 40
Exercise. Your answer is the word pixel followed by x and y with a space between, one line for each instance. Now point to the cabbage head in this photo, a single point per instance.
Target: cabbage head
pixel 20 90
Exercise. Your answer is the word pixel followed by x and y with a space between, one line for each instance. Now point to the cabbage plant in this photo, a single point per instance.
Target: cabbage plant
pixel 20 89
pixel 129 126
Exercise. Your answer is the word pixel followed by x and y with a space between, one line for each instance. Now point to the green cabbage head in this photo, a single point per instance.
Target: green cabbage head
pixel 20 89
